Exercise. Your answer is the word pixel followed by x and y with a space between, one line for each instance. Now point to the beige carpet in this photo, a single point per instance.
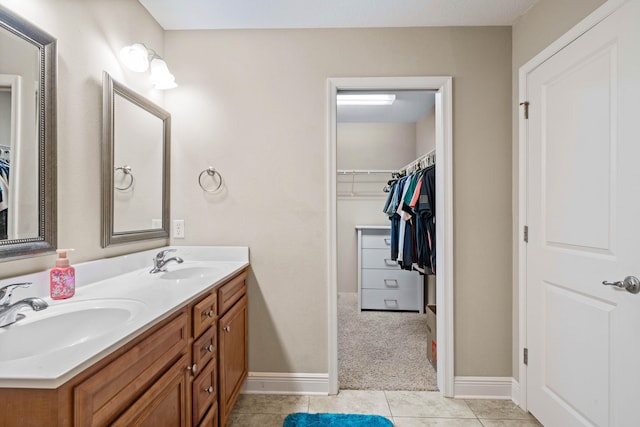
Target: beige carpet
pixel 382 350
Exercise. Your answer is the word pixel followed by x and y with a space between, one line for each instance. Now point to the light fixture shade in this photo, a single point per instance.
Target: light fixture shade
pixel 366 99
pixel 160 76
pixel 135 57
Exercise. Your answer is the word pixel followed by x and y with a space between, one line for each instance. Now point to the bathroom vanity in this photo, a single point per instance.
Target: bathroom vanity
pixel 184 367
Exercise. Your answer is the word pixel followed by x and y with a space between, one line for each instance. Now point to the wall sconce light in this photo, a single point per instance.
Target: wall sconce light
pixel 138 58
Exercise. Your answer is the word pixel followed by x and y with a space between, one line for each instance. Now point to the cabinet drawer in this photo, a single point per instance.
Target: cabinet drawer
pixel 381 299
pixel 378 258
pixel 378 239
pixel 389 279
pixel 100 398
pixel 231 292
pixel 204 391
pixel 204 314
pixel 164 404
pixel 211 419
pixel 204 348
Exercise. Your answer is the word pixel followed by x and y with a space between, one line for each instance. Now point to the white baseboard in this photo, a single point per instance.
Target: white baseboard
pixel 483 388
pixel 284 383
pixel 515 391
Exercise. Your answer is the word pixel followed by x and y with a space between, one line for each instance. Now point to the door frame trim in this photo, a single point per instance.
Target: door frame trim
pixel 444 209
pixel 579 29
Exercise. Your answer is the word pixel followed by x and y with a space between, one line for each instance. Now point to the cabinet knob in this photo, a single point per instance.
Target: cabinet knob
pixel 209 348
pixel 209 389
pixel 227 329
pixel 193 368
pixel 209 313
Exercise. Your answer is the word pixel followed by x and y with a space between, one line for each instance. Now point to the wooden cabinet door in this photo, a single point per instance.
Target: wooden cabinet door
pixel 232 337
pixel 164 404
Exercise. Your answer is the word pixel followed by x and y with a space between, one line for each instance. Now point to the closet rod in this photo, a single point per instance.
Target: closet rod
pixel 364 171
pixel 422 161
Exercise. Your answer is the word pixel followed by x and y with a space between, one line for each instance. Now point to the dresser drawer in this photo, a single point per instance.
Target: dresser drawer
pixel 389 279
pixel 376 239
pixel 399 299
pixel 378 258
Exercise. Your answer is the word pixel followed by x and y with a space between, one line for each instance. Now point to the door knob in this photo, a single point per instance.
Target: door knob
pixel 630 283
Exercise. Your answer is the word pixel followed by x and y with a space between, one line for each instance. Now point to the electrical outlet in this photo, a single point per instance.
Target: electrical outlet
pixel 178 228
pixel 156 223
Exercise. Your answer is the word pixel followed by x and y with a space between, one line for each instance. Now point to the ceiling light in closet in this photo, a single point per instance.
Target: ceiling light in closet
pixel 366 99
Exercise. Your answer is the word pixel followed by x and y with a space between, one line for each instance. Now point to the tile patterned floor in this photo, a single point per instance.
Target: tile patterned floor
pixel 403 408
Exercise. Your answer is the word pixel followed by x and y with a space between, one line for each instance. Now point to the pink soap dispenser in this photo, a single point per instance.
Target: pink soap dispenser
pixel 62 277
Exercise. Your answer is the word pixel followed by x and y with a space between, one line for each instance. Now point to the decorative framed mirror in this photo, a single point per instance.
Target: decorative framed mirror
pixel 28 70
pixel 135 166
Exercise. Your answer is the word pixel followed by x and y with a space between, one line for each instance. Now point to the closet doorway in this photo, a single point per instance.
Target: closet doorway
pixel 366 146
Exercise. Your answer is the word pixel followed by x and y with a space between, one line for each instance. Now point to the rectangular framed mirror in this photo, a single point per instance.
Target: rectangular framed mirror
pixel 135 166
pixel 28 70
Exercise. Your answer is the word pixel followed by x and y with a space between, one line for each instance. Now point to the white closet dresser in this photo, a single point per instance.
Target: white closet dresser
pixel 382 284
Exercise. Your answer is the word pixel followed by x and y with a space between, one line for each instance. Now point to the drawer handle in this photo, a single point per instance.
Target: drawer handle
pixel 209 389
pixel 388 301
pixel 227 329
pixel 387 241
pixel 390 261
pixel 208 348
pixel 193 368
pixel 391 283
pixel 209 313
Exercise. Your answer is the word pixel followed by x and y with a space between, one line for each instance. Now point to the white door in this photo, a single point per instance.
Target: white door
pixel 583 213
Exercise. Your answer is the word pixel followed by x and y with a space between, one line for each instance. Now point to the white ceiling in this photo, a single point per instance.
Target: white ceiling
pixel 254 14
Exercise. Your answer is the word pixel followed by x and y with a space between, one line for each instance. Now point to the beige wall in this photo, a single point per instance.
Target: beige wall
pixel 543 24
pixel 387 146
pixel 90 33
pixel 254 105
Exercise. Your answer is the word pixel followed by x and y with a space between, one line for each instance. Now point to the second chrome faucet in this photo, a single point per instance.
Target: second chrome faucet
pixel 159 261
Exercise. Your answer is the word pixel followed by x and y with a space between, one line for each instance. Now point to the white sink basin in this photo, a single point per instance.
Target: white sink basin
pixel 65 325
pixel 188 272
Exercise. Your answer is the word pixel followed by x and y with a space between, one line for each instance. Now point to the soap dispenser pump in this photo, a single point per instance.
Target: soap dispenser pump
pixel 62 277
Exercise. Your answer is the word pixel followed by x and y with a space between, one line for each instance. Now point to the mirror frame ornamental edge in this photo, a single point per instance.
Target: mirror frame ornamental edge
pixel 110 88
pixel 46 241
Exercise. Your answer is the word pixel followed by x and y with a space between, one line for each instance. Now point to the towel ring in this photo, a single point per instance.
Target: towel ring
pixel 210 171
pixel 127 171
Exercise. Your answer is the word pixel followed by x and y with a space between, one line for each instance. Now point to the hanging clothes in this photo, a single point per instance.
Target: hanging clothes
pixel 410 206
pixel 425 209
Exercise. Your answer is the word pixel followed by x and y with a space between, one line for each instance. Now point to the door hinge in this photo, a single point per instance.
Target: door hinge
pixel 526 109
pixel 526 234
pixel 525 356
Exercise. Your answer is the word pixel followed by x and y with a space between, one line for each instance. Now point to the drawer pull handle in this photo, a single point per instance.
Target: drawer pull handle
pixel 209 313
pixel 227 329
pixel 209 348
pixel 387 241
pixel 193 368
pixel 209 389
pixel 390 261
pixel 391 283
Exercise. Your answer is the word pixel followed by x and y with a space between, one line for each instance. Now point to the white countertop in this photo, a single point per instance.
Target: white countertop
pixel 126 277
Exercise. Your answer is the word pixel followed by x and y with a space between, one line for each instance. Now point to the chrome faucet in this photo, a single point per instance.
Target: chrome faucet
pixel 159 263
pixel 10 313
